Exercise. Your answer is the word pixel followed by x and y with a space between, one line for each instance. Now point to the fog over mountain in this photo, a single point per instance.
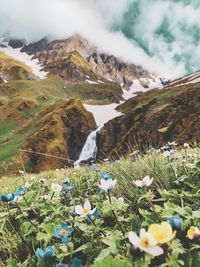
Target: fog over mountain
pixel 162 36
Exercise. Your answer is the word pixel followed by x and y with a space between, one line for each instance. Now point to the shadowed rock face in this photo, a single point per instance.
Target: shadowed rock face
pixel 153 118
pixel 62 130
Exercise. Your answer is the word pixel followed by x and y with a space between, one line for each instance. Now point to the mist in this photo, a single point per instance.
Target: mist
pixel 162 36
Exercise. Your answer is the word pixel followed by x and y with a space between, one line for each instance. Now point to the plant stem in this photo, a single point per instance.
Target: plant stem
pixel 26 216
pixel 30 206
pixel 18 232
pixel 114 214
pixel 92 221
pixel 52 196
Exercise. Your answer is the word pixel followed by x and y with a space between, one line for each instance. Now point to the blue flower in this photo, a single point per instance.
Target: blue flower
pixel 93 216
pixel 175 222
pixel 105 176
pixel 7 197
pixel 67 187
pixel 21 191
pixel 11 196
pixel 63 233
pixel 75 263
pixel 45 254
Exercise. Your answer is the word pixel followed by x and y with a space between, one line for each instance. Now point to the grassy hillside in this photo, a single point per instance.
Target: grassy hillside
pixel 22 100
pixel 154 118
pixel 104 239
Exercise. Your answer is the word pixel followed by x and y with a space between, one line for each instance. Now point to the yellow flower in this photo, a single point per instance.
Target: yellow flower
pixel 193 233
pixel 162 233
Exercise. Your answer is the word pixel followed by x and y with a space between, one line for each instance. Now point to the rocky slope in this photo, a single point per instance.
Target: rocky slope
pixel 12 69
pixel 99 63
pixel 154 118
pixel 62 130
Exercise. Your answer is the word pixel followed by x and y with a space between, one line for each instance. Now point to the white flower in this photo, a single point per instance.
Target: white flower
pixel 42 180
pixel 186 145
pixel 32 178
pixel 27 185
pixel 167 154
pixel 145 242
pixel 45 197
pixel 22 172
pixel 15 200
pixel 172 143
pixel 85 210
pixel 56 188
pixel 145 182
pixel 107 184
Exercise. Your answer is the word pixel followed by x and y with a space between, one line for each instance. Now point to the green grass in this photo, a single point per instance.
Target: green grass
pixel 6 127
pixel 174 192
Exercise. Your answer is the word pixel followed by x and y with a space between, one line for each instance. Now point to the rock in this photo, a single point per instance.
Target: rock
pixel 153 119
pixel 62 130
pixel 16 43
pixel 107 66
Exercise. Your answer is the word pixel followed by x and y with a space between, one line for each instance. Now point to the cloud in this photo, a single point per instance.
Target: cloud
pixel 162 36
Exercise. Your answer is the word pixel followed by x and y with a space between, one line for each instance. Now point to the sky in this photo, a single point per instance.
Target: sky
pixel 163 36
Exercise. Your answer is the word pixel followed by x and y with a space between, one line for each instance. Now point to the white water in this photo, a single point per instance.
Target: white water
pixel 89 150
pixel 34 64
pixel 104 113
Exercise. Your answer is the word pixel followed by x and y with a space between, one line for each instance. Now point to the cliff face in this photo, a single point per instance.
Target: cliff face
pixel 154 118
pixel 61 131
pixel 100 64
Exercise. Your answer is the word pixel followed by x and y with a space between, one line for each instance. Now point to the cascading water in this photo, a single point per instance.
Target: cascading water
pixel 89 150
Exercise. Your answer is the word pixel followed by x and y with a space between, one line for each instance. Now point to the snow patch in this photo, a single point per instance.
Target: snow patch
pixel 26 59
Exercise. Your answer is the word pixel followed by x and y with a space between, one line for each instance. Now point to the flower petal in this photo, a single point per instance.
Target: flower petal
pixel 78 209
pixel 154 251
pixel 87 205
pixel 134 239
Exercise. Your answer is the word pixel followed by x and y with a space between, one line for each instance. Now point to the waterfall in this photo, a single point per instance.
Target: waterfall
pixel 89 150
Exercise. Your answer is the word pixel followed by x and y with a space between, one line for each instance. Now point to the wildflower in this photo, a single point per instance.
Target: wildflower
pixel 67 187
pixel 86 210
pixel 22 173
pixel 186 145
pixel 105 176
pixel 146 242
pixel 56 188
pixel 175 222
pixel 162 233
pixel 42 180
pixel 45 197
pixel 63 233
pixel 32 178
pixel 107 185
pixel 27 185
pixel 93 216
pixel 11 198
pixel 172 143
pixel 193 233
pixel 167 154
pixel 7 197
pixel 45 254
pixel 145 182
pixel 21 191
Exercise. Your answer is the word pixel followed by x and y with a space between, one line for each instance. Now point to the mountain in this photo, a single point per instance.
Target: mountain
pixel 53 53
pixel 155 118
pixel 12 69
pixel 44 104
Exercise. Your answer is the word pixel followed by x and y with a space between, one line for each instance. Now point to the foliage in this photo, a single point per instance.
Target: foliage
pixel 54 219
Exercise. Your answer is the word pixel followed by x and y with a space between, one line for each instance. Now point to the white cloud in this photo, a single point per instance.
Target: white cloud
pixel 33 19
